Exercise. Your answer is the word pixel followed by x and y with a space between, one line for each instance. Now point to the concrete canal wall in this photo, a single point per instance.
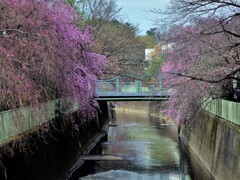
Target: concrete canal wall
pixel 215 143
pixel 51 154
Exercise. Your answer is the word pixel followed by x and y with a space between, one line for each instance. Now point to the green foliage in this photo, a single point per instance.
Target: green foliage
pixel 155 65
pixel 118 42
pixel 151 32
pixel 147 41
pixel 113 37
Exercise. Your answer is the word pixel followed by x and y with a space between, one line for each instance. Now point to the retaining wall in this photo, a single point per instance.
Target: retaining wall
pixel 53 154
pixel 215 143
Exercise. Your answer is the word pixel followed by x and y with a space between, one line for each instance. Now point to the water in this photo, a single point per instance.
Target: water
pixel 149 149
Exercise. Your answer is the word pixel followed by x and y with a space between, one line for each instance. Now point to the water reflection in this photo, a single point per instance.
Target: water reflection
pixel 148 149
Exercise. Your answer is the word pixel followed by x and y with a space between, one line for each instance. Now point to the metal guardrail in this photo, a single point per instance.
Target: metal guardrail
pixel 228 110
pixel 137 88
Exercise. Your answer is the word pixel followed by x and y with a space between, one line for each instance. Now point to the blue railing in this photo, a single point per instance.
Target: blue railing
pixel 136 88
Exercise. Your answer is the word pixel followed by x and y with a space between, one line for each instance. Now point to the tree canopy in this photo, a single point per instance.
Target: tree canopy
pixel 204 56
pixel 156 64
pixel 114 37
pixel 45 54
pixel 118 42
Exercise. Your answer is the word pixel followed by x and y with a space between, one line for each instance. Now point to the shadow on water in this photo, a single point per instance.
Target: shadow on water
pixel 148 148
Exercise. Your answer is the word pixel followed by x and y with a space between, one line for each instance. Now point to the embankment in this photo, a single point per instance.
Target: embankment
pixel 53 154
pixel 215 144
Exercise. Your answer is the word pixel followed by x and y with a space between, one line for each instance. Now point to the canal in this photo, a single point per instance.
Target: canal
pixel 139 146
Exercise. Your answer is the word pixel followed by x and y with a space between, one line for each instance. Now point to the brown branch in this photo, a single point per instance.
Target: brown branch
pixel 19 31
pixel 228 76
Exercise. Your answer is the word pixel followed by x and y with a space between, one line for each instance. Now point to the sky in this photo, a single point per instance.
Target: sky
pixel 138 12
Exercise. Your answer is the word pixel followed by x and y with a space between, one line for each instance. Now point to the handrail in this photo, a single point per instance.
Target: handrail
pixel 141 78
pixel 112 86
pixel 131 89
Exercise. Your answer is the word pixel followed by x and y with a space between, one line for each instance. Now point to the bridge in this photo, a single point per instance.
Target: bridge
pixel 130 87
pixel 17 122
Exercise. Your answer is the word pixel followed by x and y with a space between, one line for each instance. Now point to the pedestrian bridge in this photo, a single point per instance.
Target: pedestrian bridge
pixel 19 122
pixel 130 87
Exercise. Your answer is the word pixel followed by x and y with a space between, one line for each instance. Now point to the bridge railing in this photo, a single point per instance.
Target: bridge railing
pixel 228 110
pixel 128 87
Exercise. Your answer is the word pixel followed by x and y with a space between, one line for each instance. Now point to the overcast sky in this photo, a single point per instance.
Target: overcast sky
pixel 138 11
